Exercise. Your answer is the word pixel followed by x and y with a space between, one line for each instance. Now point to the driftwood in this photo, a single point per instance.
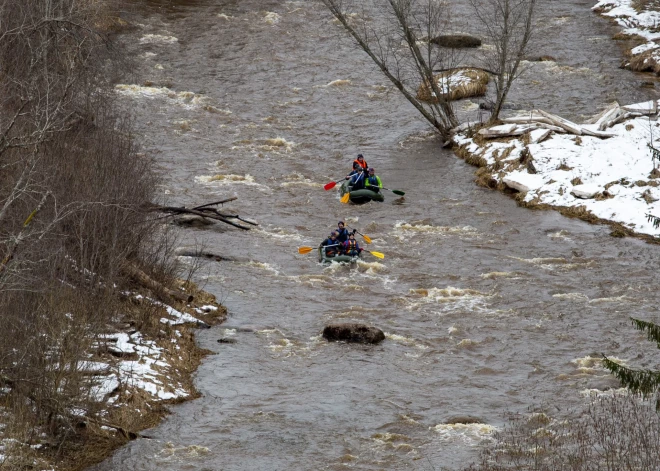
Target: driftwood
pixel 206 212
pixel 196 252
pixel 145 280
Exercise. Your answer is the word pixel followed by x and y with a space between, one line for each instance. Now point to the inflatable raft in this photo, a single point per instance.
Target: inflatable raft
pixel 338 258
pixel 360 196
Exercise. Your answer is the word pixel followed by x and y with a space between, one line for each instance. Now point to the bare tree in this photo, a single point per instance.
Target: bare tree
pixel 396 34
pixel 508 26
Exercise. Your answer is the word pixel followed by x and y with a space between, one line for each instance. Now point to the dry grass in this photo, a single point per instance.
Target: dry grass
pixel 644 62
pixel 477 85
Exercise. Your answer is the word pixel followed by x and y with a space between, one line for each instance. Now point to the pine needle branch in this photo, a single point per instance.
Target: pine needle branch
pixel 655 220
pixel 643 382
pixel 652 330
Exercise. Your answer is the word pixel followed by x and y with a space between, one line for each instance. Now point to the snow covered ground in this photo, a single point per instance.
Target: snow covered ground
pixel 611 178
pixel 636 21
pixel 148 366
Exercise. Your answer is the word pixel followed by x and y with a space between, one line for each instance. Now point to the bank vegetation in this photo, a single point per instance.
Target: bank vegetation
pixel 73 235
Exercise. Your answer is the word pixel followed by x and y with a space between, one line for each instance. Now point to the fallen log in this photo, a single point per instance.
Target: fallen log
pixel 198 253
pixel 145 280
pixel 562 123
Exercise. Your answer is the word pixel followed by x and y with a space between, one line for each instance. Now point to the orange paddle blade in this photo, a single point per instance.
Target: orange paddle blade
pixel 329 186
pixel 366 238
pixel 305 249
pixel 345 198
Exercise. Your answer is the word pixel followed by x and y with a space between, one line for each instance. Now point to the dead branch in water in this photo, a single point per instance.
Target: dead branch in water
pixel 204 211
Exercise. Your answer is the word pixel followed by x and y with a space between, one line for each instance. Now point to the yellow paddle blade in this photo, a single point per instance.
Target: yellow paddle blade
pixel 345 198
pixel 305 249
pixel 377 254
pixel 366 238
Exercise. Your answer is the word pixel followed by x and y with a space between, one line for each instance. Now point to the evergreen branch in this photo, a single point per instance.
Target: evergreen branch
pixel 644 382
pixel 652 330
pixel 655 220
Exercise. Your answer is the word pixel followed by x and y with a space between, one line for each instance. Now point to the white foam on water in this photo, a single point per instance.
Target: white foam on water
pixel 571 296
pixel 282 234
pixel 272 18
pixel 563 235
pixel 225 17
pixel 185 99
pixel 262 266
pixel 615 299
pixel 230 179
pixel 338 83
pixel 278 143
pixel 158 39
pixel 429 229
pixel 596 393
pixel 496 274
pixel 468 434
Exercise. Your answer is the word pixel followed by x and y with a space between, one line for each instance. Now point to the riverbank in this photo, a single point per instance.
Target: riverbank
pixel 603 171
pixel 609 180
pixel 143 362
pixel 639 21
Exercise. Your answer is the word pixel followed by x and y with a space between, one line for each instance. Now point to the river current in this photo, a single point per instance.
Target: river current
pixel 488 308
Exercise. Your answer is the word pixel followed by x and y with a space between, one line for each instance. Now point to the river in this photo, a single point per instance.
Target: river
pixel 488 308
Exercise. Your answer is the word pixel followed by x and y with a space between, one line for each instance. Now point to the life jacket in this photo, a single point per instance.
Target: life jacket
pixel 343 235
pixel 332 247
pixel 350 246
pixel 373 180
pixel 362 164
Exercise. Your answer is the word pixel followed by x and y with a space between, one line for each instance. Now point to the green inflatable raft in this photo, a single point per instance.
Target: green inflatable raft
pixel 360 196
pixel 338 258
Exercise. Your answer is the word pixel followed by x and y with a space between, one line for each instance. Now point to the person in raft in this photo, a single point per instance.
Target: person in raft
pixel 332 246
pixel 342 232
pixel 372 182
pixel 351 246
pixel 357 177
pixel 360 161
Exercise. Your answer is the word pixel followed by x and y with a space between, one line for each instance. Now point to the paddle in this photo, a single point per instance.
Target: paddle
pixel 331 185
pixel 345 198
pixel 396 192
pixel 367 239
pixel 304 250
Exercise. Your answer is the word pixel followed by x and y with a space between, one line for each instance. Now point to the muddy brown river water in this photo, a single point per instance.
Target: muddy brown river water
pixel 488 307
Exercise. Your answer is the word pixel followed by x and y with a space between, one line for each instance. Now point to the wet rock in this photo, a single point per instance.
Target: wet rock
pixel 456 41
pixel 226 340
pixel 356 333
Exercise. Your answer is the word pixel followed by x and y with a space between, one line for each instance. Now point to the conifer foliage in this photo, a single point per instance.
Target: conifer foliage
pixel 643 382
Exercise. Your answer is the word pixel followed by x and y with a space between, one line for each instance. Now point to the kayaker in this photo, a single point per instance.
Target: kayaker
pixel 332 246
pixel 360 161
pixel 351 246
pixel 372 182
pixel 342 232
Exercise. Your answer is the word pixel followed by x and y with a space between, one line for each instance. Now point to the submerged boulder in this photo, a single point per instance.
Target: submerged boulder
pixel 456 41
pixel 356 333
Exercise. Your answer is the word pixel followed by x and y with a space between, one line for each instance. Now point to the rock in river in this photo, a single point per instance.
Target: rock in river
pixel 358 333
